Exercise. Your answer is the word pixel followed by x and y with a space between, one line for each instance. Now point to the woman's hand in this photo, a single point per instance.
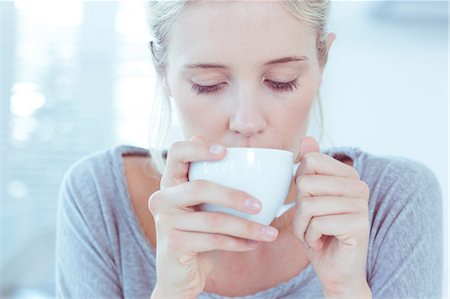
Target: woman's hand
pixel 188 239
pixel 332 221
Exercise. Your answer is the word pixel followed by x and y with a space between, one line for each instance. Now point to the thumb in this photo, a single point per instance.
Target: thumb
pixel 308 145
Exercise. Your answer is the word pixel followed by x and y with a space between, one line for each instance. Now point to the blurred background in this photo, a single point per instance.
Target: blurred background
pixel 76 77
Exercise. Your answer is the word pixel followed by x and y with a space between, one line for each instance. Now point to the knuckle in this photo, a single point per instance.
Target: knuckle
pixel 362 206
pixel 251 229
pixel 231 242
pixel 161 222
pixel 154 202
pixel 303 184
pixel 174 149
pixel 356 174
pixel 214 220
pixel 195 187
pixel 310 160
pixel 176 146
pixel 363 188
pixel 305 206
pixel 366 189
pixel 315 224
pixel 217 240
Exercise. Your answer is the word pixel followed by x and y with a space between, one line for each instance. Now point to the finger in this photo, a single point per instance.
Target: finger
pixel 310 207
pixel 193 242
pixel 186 195
pixel 318 163
pixel 308 145
pixel 321 185
pixel 222 223
pixel 198 138
pixel 349 229
pixel 182 153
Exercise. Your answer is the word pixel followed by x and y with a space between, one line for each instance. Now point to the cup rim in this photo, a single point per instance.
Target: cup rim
pixel 260 149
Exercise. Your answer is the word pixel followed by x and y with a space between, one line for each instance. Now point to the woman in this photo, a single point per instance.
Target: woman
pixel 246 74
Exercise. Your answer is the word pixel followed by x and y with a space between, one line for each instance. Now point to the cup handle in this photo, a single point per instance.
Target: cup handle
pixel 296 165
pixel 286 207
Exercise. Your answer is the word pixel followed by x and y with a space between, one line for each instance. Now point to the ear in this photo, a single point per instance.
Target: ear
pixel 330 40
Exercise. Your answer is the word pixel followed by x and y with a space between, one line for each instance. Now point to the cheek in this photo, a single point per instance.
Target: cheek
pixel 200 117
pixel 293 113
pixel 199 114
pixel 291 119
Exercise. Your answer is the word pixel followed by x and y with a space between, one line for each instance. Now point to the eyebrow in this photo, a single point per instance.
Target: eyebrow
pixel 220 66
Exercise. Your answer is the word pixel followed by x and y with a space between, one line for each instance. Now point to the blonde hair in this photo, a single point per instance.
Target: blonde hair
pixel 160 16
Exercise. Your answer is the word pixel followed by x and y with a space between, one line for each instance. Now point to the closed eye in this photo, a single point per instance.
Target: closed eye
pixel 275 85
pixel 202 89
pixel 283 86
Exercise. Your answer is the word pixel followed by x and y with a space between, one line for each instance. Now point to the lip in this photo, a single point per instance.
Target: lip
pixel 246 144
pixel 252 143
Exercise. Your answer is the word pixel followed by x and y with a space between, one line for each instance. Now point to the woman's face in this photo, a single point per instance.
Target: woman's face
pixel 243 73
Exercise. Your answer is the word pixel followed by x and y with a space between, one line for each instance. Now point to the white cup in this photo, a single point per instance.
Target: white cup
pixel 263 173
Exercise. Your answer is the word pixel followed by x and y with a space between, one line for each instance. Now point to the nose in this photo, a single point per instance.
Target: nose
pixel 248 118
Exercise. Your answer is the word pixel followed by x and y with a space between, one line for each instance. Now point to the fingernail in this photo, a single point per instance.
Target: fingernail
pixel 269 232
pixel 253 205
pixel 216 149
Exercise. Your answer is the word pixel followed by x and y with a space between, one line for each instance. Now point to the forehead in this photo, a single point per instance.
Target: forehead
pixel 238 31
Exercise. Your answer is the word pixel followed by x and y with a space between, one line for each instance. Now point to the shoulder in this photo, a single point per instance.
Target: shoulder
pixel 405 196
pixel 88 171
pixel 97 178
pixel 405 213
pixel 84 193
pixel 388 171
pixel 398 184
pixel 394 181
pixel 400 175
pixel 100 163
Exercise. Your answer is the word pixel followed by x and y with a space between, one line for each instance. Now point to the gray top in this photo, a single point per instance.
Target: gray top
pixel 103 253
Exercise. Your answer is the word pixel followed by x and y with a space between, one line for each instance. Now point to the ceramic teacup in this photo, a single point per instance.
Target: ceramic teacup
pixel 263 173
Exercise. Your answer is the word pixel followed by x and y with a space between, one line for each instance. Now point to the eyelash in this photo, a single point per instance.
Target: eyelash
pixel 277 86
